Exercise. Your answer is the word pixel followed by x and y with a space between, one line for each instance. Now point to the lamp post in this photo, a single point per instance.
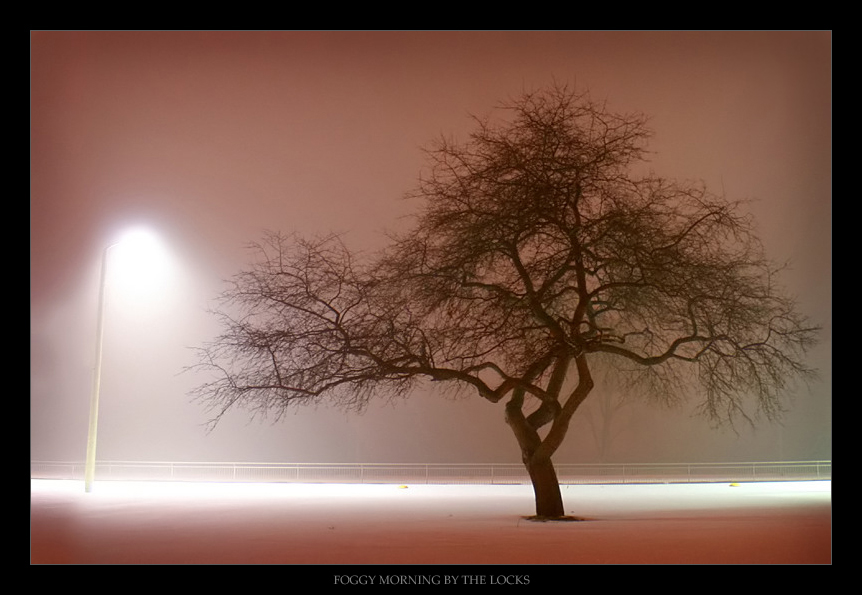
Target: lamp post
pixel 90 465
pixel 144 247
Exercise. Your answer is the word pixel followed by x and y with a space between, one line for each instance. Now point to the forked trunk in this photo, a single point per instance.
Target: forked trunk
pixel 536 452
pixel 549 499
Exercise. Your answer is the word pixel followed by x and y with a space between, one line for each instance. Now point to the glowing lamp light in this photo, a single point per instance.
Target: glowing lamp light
pixel 140 265
pixel 137 268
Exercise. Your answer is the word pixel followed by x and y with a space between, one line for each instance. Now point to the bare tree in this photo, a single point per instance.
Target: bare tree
pixel 538 255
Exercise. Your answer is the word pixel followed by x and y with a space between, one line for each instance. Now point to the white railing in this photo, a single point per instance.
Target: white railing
pixel 433 473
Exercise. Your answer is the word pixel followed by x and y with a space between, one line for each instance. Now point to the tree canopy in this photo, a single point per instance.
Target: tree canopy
pixel 542 248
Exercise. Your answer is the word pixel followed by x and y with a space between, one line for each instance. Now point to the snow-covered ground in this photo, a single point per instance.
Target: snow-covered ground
pixel 315 524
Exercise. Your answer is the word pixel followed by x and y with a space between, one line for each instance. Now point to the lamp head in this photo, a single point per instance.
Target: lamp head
pixel 140 263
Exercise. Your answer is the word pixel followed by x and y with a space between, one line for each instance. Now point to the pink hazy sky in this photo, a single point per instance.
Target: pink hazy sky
pixel 213 137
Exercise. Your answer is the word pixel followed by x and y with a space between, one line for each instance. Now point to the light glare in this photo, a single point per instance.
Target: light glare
pixel 141 266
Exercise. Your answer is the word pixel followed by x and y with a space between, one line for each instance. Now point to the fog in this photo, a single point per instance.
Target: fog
pixel 210 138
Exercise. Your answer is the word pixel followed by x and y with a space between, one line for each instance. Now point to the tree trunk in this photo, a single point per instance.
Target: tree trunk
pixel 549 499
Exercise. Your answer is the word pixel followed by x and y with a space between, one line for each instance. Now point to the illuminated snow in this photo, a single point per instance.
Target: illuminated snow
pixel 278 523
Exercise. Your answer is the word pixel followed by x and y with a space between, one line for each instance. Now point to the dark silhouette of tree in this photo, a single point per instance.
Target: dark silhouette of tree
pixel 539 255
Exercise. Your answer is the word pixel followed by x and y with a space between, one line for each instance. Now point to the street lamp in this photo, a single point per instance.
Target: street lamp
pixel 143 255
